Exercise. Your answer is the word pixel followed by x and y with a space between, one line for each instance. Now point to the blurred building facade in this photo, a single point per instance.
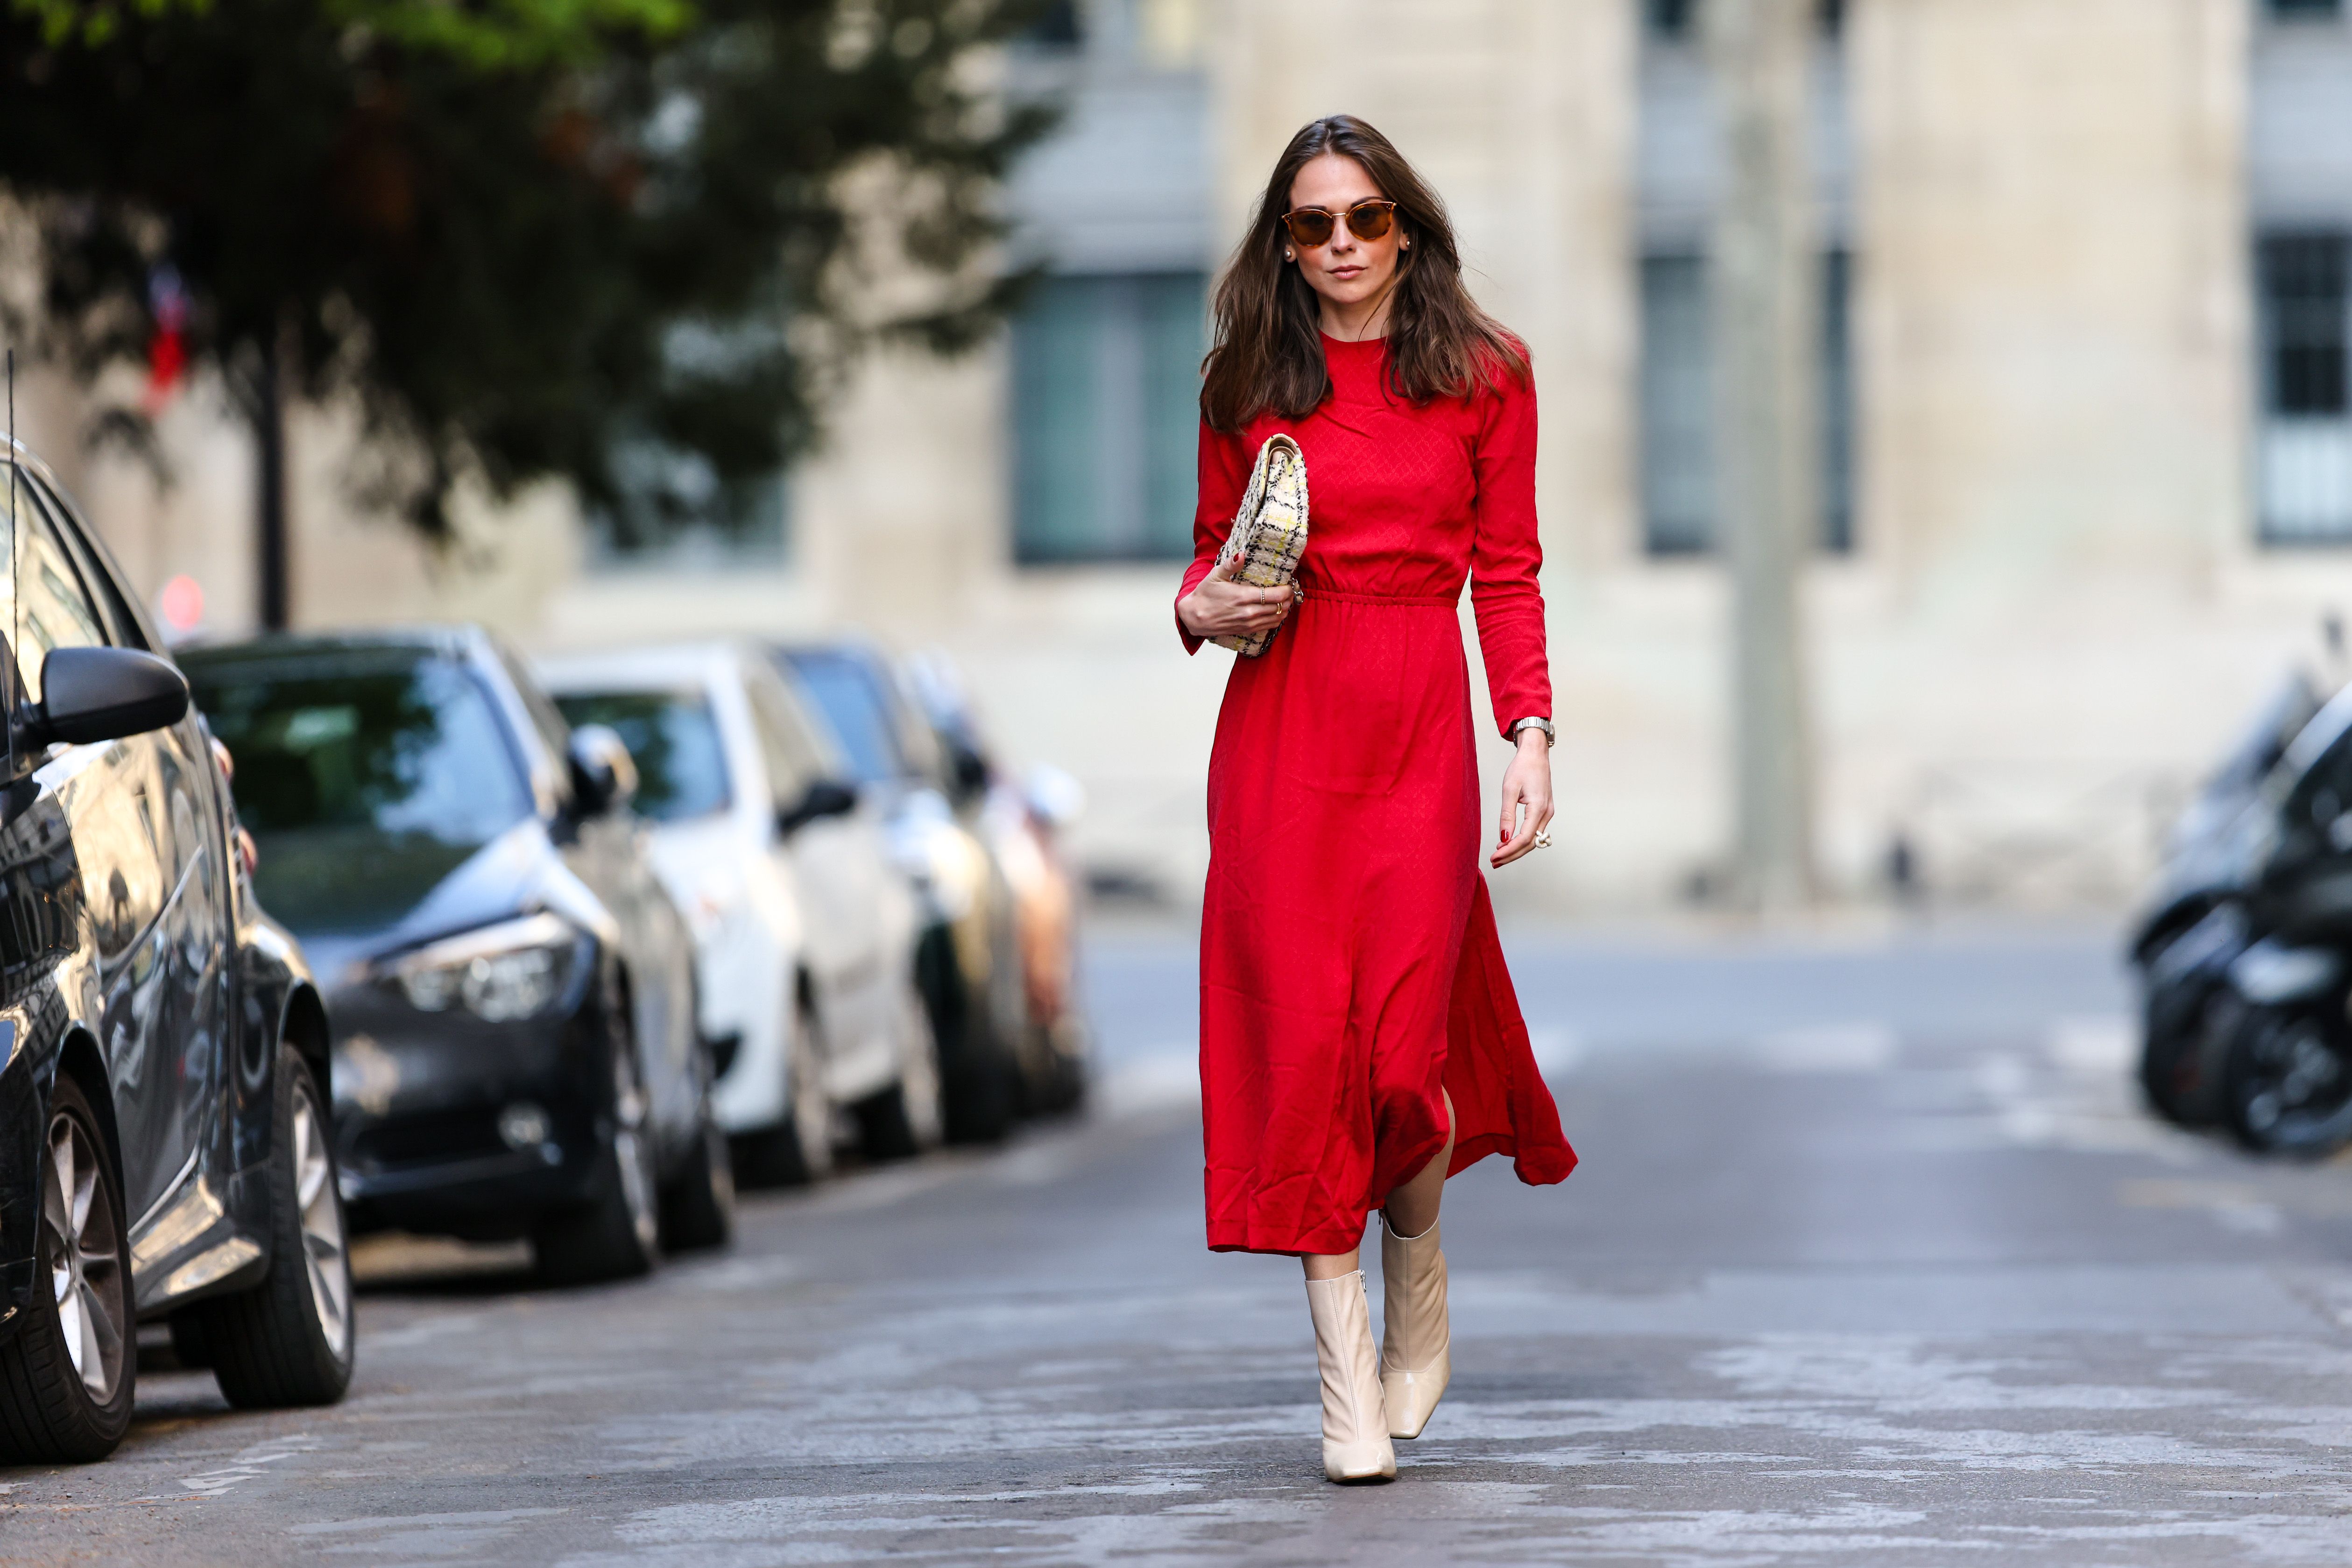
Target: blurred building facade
pixel 2087 278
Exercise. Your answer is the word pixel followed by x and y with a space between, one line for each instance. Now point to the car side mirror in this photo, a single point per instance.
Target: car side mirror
pixel 967 771
pixel 90 694
pixel 825 798
pixel 604 775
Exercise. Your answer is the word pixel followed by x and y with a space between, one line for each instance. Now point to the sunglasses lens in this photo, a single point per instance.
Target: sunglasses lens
pixel 1370 221
pixel 1309 226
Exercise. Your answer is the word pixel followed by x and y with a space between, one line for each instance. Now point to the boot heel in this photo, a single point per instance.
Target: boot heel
pixel 1416 1338
pixel 1356 1445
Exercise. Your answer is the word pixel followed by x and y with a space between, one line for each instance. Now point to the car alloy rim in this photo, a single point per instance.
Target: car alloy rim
pixel 79 1233
pixel 629 1149
pixel 324 1256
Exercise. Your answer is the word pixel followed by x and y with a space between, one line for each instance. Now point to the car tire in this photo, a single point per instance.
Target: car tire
pixel 2184 1052
pixel 699 1205
pixel 289 1341
pixel 67 1375
pixel 1065 1093
pixel 980 1094
pixel 2288 1089
pixel 904 1120
pixel 616 1234
pixel 798 1150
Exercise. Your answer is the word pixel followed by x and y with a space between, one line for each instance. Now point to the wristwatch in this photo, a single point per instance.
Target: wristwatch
pixel 1551 736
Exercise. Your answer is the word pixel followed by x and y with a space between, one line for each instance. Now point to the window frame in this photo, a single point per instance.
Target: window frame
pixel 1836 527
pixel 2323 428
pixel 1073 327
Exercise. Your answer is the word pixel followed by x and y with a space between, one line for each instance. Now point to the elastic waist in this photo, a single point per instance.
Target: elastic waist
pixel 1420 602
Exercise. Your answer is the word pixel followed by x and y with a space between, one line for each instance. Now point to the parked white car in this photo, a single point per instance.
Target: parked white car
pixel 804 933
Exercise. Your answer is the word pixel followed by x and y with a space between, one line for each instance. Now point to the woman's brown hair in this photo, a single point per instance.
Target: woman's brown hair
pixel 1266 355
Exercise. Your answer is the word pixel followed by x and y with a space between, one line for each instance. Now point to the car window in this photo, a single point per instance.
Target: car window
pixel 674 738
pixel 795 754
pixel 843 694
pixel 51 610
pixel 395 747
pixel 367 774
pixel 123 627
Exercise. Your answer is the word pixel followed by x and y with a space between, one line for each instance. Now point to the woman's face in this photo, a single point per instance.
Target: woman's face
pixel 1344 269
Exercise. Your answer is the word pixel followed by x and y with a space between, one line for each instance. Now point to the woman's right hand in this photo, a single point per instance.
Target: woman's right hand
pixel 1220 607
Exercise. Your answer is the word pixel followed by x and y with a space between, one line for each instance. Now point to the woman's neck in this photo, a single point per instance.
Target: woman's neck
pixel 1358 322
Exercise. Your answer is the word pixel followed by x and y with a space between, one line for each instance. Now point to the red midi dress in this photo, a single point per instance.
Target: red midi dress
pixel 1350 967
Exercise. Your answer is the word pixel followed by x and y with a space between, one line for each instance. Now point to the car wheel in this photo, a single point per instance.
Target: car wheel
pixel 904 1120
pixel 979 1091
pixel 798 1150
pixel 288 1341
pixel 699 1207
pixel 1065 1072
pixel 616 1234
pixel 66 1376
pixel 2185 1049
pixel 2288 1088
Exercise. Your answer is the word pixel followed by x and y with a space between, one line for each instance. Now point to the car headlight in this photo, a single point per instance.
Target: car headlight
pixel 516 968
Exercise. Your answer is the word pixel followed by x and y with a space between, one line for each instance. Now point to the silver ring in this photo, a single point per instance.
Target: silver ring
pixel 1543 838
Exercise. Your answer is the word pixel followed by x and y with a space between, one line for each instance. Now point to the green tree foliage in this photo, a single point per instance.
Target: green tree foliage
pixel 612 241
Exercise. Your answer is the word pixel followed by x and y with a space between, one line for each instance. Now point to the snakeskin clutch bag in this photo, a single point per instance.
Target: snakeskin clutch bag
pixel 1269 532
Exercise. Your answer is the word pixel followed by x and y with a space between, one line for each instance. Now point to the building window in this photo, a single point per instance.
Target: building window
pixel 1678 19
pixel 1672 18
pixel 672 513
pixel 1677 405
pixel 1106 389
pixel 1056 26
pixel 2307 430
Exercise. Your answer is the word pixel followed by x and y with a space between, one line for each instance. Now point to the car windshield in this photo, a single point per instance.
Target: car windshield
pixel 843 689
pixel 366 776
pixel 681 766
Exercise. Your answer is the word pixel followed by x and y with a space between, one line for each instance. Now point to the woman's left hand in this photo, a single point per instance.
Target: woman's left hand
pixel 1526 787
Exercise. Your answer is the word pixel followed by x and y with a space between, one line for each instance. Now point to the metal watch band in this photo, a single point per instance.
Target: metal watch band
pixel 1551 736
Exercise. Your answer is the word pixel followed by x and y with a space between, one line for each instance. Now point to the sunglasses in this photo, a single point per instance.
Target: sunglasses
pixel 1367 220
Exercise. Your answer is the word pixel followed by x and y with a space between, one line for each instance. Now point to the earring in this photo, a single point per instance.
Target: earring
pixel 1287 257
pixel 1404 245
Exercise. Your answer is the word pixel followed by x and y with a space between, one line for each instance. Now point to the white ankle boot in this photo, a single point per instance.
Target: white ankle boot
pixel 1355 1428
pixel 1415 1340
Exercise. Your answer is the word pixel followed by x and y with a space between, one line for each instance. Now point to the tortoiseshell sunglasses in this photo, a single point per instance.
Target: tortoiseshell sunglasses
pixel 1367 220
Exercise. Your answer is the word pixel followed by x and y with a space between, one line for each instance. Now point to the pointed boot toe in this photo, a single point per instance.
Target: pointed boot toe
pixel 1416 1340
pixel 1356 1445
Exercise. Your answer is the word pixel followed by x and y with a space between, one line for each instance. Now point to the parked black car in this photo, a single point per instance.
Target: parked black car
pixel 512 996
pixel 163 1148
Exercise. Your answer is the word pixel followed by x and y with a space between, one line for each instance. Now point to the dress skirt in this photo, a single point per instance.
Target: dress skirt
pixel 1350 974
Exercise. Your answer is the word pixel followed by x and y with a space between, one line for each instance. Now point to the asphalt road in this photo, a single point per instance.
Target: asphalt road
pixel 1873 1260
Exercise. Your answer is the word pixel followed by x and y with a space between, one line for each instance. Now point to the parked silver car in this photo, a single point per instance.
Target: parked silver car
pixel 804 933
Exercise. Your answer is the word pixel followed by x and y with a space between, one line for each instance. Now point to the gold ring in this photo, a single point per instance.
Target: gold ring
pixel 1543 839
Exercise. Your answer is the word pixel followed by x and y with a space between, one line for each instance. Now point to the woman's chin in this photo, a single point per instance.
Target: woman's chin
pixel 1357 290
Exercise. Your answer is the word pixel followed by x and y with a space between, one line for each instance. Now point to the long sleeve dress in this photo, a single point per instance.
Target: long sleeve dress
pixel 1349 966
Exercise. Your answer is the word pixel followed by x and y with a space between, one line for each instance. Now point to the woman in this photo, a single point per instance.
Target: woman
pixel 1360 1040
